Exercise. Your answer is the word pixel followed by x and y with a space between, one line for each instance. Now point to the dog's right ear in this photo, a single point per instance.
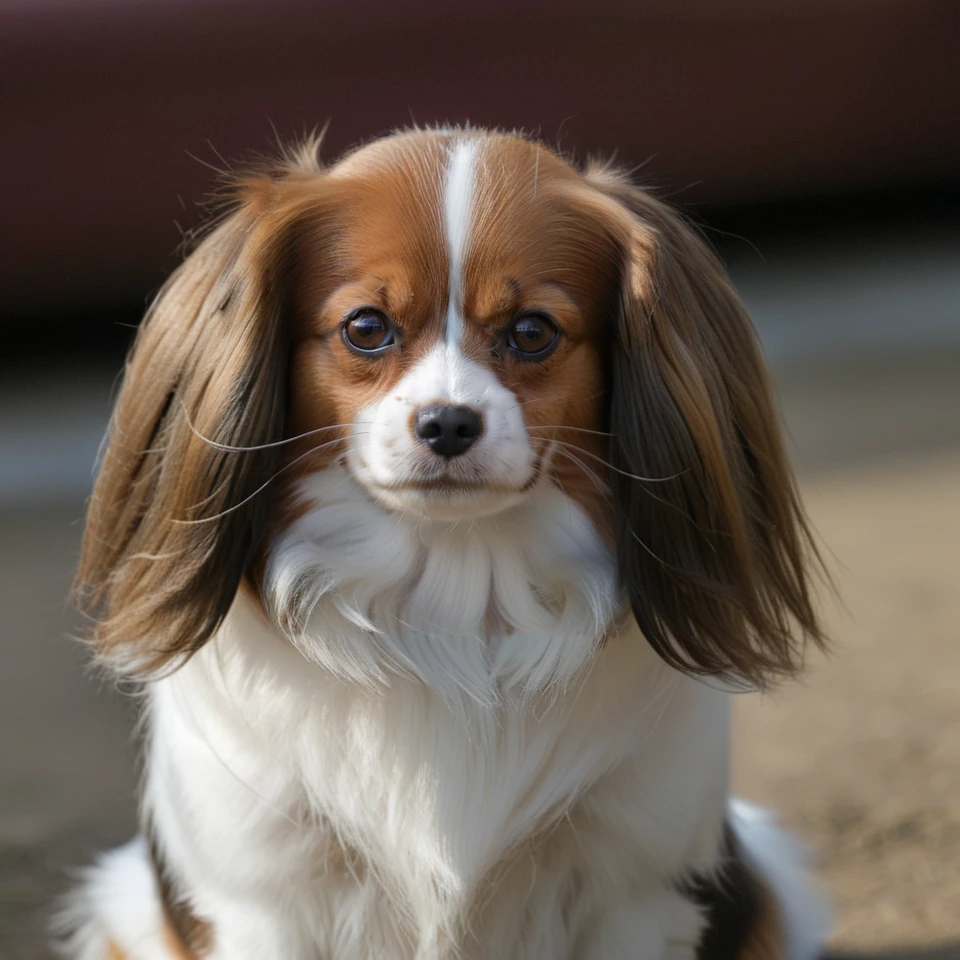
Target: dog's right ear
pixel 179 507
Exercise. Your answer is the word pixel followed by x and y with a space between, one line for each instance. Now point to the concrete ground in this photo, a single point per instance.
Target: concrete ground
pixel 862 759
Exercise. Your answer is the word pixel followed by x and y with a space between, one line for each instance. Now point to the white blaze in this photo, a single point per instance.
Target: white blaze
pixel 457 209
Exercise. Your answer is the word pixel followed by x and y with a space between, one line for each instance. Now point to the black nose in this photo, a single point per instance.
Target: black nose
pixel 448 430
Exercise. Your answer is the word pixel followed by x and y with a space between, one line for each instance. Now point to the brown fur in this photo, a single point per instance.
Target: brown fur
pixel 657 375
pixel 766 939
pixel 188 936
pixel 172 942
pixel 533 247
pixel 713 548
pixel 386 251
pixel 166 546
pixel 177 950
pixel 741 912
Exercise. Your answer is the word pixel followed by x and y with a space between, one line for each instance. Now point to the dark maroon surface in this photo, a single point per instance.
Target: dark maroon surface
pixel 111 109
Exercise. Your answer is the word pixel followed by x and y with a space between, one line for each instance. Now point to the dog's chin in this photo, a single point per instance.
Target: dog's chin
pixel 447 500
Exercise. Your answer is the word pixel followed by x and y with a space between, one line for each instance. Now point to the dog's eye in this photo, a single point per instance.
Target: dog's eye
pixel 532 336
pixel 368 331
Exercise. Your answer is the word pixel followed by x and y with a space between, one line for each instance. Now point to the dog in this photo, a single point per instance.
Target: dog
pixel 443 507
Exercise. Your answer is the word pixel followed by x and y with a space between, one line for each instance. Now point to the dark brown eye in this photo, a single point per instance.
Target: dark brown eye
pixel 368 331
pixel 532 336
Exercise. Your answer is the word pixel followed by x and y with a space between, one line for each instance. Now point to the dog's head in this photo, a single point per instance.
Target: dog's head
pixel 462 324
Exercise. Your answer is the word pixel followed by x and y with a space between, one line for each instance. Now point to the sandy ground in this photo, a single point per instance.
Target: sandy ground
pixel 863 759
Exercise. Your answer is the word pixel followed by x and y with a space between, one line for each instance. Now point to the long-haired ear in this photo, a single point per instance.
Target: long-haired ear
pixel 178 511
pixel 713 547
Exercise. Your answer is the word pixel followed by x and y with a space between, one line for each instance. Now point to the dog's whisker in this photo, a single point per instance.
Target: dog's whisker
pixel 261 488
pixel 603 488
pixel 229 448
pixel 563 426
pixel 623 473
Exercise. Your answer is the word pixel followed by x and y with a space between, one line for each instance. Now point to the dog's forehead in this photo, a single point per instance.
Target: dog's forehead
pixel 459 208
pixel 405 160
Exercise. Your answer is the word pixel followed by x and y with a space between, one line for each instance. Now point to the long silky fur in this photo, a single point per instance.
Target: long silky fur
pixel 714 550
pixel 166 548
pixel 373 734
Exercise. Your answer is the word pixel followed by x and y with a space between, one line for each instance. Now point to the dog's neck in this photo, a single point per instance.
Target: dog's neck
pixel 513 604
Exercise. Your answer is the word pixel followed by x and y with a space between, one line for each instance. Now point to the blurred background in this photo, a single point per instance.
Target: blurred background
pixel 817 142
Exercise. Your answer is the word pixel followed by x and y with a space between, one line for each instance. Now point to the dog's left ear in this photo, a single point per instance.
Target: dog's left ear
pixel 714 550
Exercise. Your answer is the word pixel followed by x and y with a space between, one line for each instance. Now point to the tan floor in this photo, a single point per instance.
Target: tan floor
pixel 864 759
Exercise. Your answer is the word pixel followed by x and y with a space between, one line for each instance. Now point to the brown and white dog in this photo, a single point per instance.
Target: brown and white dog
pixel 443 505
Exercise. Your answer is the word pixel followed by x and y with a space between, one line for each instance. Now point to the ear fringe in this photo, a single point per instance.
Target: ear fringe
pixel 175 521
pixel 717 556
pixel 237 184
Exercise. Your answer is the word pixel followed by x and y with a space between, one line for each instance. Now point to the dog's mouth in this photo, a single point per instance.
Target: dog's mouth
pixel 447 496
pixel 449 486
pixel 449 483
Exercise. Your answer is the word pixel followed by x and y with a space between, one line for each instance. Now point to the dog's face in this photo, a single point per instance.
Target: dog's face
pixel 463 324
pixel 460 342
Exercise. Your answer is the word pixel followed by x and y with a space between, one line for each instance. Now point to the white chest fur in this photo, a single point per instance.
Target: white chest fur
pixel 373 789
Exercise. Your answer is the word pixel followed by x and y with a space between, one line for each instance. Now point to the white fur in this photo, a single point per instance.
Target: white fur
pixel 117 904
pixel 263 770
pixel 384 453
pixel 443 764
pixel 782 862
pixel 490 785
pixel 457 215
pixel 508 605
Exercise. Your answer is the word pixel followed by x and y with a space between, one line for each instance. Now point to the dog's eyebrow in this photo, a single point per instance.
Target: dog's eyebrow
pixel 512 293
